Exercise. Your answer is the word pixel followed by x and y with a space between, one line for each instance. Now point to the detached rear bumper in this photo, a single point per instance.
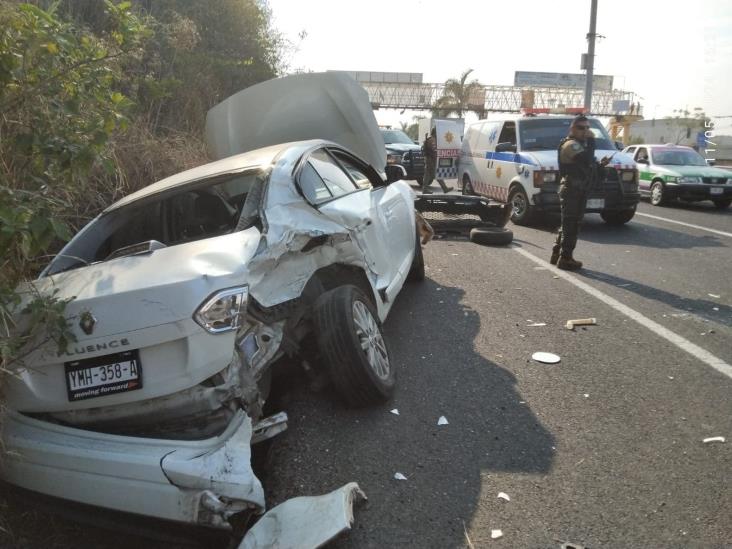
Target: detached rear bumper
pixel 200 482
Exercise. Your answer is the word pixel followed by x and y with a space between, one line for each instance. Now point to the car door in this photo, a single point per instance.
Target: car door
pixel 376 215
pixel 645 175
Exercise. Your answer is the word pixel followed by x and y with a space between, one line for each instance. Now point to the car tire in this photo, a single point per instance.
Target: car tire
pixel 657 194
pixel 522 212
pixel 353 347
pixel 468 189
pixel 491 236
pixel 722 203
pixel 416 272
pixel 617 217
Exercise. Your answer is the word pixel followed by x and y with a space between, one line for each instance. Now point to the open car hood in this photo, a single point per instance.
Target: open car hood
pixel 329 106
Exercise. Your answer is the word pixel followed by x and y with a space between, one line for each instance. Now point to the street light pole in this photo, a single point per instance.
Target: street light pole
pixel 590 56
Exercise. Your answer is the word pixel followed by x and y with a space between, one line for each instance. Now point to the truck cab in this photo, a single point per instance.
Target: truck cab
pixel 515 162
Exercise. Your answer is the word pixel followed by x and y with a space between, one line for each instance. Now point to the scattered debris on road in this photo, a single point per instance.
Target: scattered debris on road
pixel 580 322
pixel 442 421
pixel 568 545
pixel 467 537
pixel 536 324
pixel 714 439
pixel 715 296
pixel 399 476
pixel 495 534
pixel 546 358
pixel 394 411
pixel 503 495
pixel 587 395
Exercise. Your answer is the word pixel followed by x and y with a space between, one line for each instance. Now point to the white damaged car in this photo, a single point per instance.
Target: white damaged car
pixel 185 293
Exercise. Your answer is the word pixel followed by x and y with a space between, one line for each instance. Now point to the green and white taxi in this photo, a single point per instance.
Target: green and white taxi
pixel 670 172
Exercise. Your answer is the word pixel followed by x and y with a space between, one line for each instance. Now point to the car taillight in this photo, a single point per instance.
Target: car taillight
pixel 222 311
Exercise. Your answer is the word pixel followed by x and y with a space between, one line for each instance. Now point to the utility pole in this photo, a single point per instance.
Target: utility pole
pixel 590 61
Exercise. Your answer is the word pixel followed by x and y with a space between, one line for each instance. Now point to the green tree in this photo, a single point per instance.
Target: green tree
pixel 687 123
pixel 460 96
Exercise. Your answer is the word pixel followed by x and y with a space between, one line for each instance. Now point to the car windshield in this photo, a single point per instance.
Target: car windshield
pixel 543 134
pixel 192 212
pixel 677 157
pixel 395 136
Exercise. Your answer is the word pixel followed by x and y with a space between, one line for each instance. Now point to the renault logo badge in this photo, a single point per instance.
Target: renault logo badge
pixel 87 322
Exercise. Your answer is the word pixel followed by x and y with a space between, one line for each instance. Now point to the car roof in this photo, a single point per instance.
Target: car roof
pixel 257 159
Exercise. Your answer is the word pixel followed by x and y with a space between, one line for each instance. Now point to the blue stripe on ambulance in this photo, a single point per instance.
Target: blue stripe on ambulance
pixel 514 158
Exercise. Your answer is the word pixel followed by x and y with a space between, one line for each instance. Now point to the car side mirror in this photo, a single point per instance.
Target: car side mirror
pixel 619 145
pixel 506 146
pixel 395 172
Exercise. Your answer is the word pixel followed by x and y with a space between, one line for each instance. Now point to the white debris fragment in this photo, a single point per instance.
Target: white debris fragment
pixel 438 289
pixel 580 322
pixel 395 411
pixel 442 421
pixel 623 285
pixel 495 534
pixel 546 358
pixel 399 476
pixel 536 324
pixel 587 395
pixel 715 296
pixel 714 439
pixel 715 308
pixel 503 495
pixel 671 378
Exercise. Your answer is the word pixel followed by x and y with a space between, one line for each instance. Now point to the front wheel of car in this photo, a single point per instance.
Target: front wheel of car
pixel 353 347
pixel 521 210
pixel 658 192
pixel 722 203
pixel 617 217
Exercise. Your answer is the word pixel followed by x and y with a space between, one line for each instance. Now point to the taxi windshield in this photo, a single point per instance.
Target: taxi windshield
pixel 677 157
pixel 542 134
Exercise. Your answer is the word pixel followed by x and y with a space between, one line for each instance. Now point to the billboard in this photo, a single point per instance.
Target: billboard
pixel 600 82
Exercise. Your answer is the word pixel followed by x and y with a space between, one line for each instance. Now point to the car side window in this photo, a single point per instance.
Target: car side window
pixel 642 154
pixel 312 185
pixel 356 172
pixel 630 150
pixel 335 179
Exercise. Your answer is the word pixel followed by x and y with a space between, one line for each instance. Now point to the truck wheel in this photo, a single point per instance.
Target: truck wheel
pixel 468 186
pixel 416 272
pixel 491 236
pixel 620 217
pixel 657 194
pixel 353 347
pixel 722 203
pixel 522 212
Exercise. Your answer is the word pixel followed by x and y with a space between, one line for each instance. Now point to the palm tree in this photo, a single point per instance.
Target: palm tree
pixel 458 95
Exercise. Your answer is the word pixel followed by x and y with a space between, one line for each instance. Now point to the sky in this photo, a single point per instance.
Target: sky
pixel 672 55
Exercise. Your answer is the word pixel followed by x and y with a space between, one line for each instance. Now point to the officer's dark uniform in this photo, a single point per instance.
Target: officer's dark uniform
pixel 576 162
pixel 429 148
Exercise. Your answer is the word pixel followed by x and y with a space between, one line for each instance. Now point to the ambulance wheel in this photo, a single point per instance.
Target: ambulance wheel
pixel 468 186
pixel 491 236
pixel 521 210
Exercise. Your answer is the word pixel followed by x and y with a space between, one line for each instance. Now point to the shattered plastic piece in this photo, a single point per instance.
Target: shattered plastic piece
pixel 546 358
pixel 715 296
pixel 305 521
pixel 587 395
pixel 580 322
pixel 714 439
pixel 503 495
pixel 442 421
pixel 495 534
pixel 569 545
pixel 536 324
pixel 394 411
pixel 671 377
pixel 715 308
pixel 399 476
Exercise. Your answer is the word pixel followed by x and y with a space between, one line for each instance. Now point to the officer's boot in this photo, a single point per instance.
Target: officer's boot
pixel 568 263
pixel 555 255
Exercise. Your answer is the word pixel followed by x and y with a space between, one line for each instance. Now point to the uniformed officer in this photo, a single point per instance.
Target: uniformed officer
pixel 576 162
pixel 429 148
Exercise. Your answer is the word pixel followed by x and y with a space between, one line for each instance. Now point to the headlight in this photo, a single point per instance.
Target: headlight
pixel 222 311
pixel 541 177
pixel 690 180
pixel 393 158
pixel 628 175
pixel 671 179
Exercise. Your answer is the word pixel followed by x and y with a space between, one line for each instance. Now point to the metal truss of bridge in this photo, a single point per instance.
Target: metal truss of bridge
pixel 422 96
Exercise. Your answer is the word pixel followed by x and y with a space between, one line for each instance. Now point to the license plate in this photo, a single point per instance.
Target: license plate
pixel 595 203
pixel 103 375
pixel 716 190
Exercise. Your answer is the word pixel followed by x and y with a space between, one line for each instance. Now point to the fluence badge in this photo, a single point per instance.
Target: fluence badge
pixel 87 322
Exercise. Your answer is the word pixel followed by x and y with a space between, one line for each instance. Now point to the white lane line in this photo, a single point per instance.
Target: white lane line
pixel 682 343
pixel 715 231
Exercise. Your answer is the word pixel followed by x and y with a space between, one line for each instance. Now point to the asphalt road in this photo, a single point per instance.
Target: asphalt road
pixel 603 449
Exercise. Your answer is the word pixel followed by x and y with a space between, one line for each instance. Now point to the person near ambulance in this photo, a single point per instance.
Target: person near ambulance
pixel 577 162
pixel 429 149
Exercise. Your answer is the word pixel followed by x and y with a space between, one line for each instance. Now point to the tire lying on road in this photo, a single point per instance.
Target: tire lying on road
pixel 353 347
pixel 491 236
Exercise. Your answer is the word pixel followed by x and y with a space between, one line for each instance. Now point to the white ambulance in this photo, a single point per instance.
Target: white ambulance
pixel 515 162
